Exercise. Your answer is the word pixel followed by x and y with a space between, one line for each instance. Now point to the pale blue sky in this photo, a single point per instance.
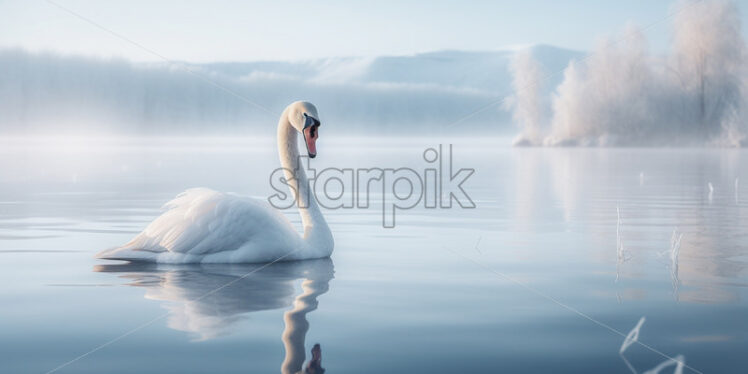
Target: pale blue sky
pixel 202 31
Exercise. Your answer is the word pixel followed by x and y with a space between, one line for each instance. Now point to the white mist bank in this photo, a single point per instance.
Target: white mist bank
pixel 622 95
pixel 50 93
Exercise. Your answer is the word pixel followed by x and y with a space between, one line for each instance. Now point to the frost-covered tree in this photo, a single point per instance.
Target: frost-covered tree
pixel 709 56
pixel 621 95
pixel 607 97
pixel 527 103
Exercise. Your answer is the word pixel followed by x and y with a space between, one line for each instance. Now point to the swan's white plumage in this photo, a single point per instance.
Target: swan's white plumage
pixel 202 225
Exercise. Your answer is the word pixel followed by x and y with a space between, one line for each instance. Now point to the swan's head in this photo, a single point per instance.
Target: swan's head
pixel 304 118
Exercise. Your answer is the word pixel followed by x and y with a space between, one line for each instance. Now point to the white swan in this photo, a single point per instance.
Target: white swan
pixel 202 225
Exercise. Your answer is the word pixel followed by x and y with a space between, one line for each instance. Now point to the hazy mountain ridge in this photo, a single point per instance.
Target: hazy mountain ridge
pixel 486 71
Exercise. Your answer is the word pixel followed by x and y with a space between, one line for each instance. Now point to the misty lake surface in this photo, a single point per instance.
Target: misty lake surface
pixel 541 277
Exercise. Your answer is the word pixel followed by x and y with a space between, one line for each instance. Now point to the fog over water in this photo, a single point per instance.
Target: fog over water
pixel 52 93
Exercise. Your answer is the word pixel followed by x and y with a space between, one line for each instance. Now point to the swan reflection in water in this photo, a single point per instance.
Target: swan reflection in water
pixel 206 300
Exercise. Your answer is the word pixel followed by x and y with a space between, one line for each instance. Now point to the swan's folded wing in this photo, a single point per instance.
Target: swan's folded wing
pixel 198 222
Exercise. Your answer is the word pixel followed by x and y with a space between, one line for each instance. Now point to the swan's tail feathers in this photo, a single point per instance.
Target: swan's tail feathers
pixel 129 252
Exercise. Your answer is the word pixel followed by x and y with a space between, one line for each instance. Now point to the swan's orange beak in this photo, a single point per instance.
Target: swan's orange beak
pixel 311 134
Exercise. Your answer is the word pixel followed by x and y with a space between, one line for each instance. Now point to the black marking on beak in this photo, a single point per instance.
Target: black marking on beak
pixel 310 124
pixel 310 121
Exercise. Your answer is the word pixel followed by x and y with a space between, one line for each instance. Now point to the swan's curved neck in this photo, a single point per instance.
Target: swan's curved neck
pixel 316 231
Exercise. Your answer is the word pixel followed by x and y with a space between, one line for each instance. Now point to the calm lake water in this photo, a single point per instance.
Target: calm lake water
pixel 565 249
